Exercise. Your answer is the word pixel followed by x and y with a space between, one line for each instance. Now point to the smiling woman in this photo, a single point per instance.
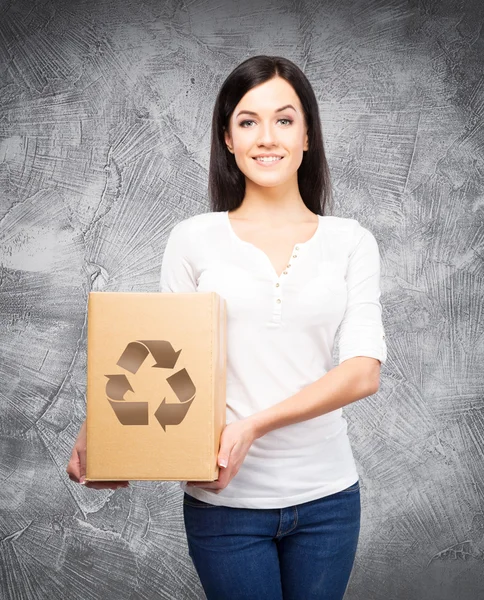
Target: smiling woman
pixel 283 517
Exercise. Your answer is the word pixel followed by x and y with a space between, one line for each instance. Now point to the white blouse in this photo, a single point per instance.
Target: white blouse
pixel 280 337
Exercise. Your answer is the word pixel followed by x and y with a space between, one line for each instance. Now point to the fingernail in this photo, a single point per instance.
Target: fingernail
pixel 82 480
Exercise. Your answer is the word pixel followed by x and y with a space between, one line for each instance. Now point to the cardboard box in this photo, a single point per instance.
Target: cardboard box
pixel 156 384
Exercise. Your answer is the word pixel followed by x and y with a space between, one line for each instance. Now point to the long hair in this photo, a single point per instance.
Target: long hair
pixel 226 182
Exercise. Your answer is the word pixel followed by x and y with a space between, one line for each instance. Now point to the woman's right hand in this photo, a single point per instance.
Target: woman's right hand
pixel 76 469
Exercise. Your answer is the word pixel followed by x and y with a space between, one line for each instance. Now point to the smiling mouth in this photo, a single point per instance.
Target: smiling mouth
pixel 270 161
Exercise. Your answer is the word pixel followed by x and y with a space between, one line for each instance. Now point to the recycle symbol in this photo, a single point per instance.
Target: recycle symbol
pixel 136 413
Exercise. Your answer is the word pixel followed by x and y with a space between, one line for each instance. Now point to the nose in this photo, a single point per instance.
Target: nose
pixel 267 136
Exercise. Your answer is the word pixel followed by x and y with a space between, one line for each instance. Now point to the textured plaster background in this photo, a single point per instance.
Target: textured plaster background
pixel 104 145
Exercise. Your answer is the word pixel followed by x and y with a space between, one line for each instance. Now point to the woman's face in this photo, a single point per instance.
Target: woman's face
pixel 257 126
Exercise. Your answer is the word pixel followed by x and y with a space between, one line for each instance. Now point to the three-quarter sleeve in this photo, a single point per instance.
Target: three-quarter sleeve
pixel 177 273
pixel 361 329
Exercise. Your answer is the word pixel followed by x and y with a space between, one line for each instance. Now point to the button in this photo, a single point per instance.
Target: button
pixel 288 265
pixel 284 273
pixel 277 285
pixel 278 301
pixel 297 248
pixel 294 255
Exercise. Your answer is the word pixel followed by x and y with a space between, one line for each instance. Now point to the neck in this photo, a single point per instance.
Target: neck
pixel 276 204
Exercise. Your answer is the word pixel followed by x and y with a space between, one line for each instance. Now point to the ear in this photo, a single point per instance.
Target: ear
pixel 228 140
pixel 306 142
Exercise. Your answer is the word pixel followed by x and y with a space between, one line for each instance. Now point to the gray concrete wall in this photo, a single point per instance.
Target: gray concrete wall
pixel 104 145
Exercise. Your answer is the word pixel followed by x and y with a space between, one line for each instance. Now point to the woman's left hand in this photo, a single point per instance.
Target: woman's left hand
pixel 235 441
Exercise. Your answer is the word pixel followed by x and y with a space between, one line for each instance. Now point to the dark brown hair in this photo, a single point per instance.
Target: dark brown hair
pixel 226 182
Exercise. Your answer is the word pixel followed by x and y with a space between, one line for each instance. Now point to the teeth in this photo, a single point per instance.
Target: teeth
pixel 269 159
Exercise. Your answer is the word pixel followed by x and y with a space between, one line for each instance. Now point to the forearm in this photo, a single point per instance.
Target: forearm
pixel 350 381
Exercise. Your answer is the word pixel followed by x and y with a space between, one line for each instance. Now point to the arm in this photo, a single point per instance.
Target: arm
pixel 352 380
pixel 362 348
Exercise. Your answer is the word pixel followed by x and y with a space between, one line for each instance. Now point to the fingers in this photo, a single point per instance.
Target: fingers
pixel 73 467
pixel 100 485
pixel 106 485
pixel 76 468
pixel 82 464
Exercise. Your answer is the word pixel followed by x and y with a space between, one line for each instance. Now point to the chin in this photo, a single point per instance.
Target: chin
pixel 270 181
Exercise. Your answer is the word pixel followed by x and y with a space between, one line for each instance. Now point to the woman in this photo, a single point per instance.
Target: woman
pixel 282 520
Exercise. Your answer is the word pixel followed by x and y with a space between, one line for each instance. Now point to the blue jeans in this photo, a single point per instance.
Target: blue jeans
pixel 301 552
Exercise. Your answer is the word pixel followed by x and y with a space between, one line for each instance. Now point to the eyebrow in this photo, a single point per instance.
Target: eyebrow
pixel 249 112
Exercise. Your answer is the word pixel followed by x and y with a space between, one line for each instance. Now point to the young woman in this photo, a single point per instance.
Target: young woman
pixel 282 521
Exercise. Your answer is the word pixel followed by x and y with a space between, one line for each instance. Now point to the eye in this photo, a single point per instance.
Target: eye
pixel 242 123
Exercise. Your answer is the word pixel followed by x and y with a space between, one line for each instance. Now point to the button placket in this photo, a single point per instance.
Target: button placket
pixel 278 292
pixel 277 298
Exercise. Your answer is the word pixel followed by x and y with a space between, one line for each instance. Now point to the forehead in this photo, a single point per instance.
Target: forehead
pixel 269 96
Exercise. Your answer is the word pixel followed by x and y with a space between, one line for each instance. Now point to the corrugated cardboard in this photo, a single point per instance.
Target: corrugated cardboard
pixel 156 384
